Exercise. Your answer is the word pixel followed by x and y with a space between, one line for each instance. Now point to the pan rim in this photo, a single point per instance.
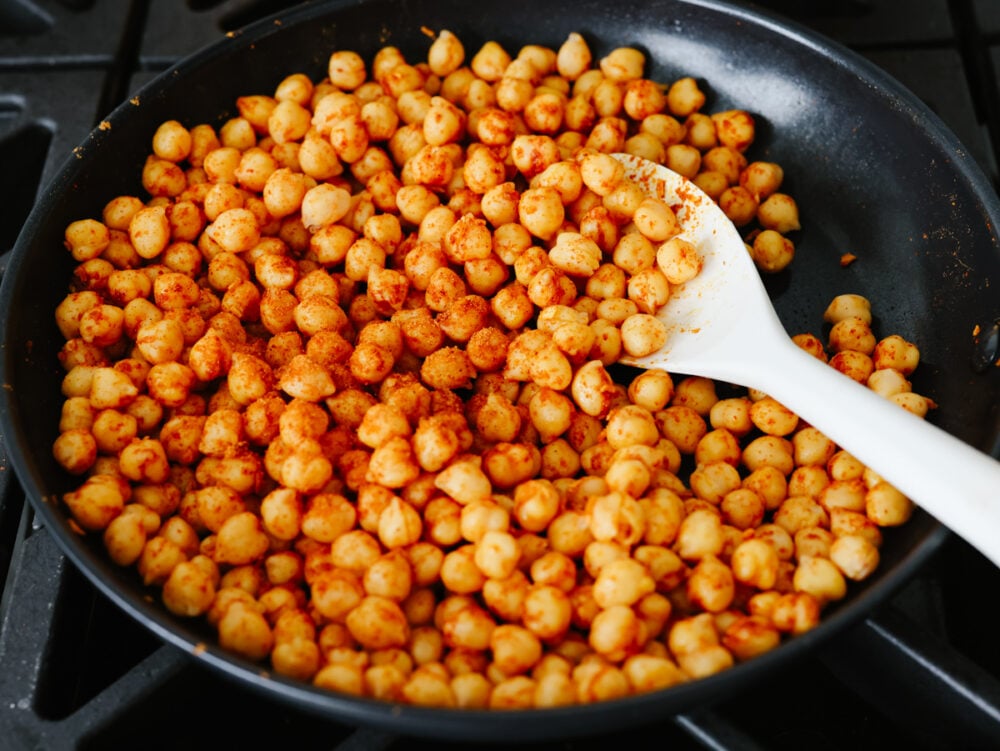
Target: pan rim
pixel 470 724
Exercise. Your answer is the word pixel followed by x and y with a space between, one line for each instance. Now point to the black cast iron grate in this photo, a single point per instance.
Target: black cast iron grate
pixel 77 673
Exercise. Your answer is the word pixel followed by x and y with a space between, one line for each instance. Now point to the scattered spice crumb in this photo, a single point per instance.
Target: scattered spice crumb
pixel 427 32
pixel 976 330
pixel 105 125
pixel 847 259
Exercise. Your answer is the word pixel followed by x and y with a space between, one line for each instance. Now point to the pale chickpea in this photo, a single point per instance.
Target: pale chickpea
pixel 733 414
pixel 465 482
pixel 887 506
pixel 701 132
pixel 240 540
pixel 888 382
pixel 685 97
pixel 798 512
pixel 711 585
pixel 622 582
pixel 547 611
pixel 446 53
pixel 820 578
pixel 755 562
pixel 771 251
pixel 895 352
pixel 855 556
pixel 849 494
pixel 846 306
pixel 110 388
pixel 713 481
pixel 536 503
pixel 700 534
pixel 390 576
pixel 779 212
pixel 245 631
pixel 573 57
pixel 643 334
pixel 497 554
pixel 346 69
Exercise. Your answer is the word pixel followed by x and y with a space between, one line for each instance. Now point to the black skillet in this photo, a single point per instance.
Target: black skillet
pixel 875 173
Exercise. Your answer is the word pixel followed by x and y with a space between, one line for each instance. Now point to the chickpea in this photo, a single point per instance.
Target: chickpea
pixel 684 97
pixel 547 611
pixel 622 582
pixel 773 418
pixel 679 260
pixel 780 213
pixel 771 251
pixel 573 57
pixel 887 506
pixel 820 578
pixel 856 557
pixel 711 584
pixel 897 353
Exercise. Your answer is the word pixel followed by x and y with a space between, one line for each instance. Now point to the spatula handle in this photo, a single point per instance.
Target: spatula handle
pixel 954 482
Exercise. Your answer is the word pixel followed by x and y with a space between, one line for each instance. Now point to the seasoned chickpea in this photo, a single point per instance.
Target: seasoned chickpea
pixel 773 418
pixel 643 334
pixel 717 445
pixel 733 414
pixel 700 534
pixel 852 333
pixel 895 352
pixel 679 260
pixel 346 69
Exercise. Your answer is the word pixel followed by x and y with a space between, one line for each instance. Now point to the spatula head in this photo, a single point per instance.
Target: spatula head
pixel 702 315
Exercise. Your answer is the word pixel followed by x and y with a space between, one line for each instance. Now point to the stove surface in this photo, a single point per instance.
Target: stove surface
pixel 923 672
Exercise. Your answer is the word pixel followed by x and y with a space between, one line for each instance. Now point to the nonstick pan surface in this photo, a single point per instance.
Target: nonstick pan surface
pixel 874 172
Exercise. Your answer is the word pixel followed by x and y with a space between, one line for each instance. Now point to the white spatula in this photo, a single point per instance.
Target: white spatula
pixel 721 325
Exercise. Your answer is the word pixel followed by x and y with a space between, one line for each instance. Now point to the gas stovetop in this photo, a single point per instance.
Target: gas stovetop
pixel 922 672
